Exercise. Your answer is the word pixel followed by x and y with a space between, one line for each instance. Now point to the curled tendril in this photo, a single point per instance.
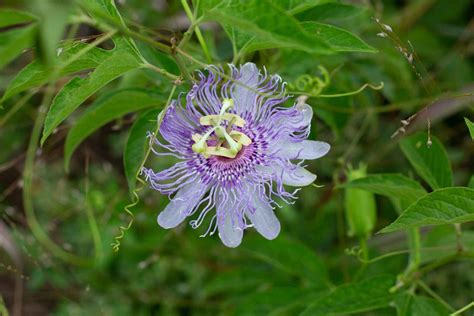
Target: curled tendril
pixel 311 84
pixel 123 229
pixel 136 197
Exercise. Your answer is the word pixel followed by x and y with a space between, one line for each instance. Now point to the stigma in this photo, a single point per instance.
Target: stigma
pixel 227 141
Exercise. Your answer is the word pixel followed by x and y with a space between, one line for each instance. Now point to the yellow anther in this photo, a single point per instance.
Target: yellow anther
pixel 213 120
pixel 232 140
pixel 241 138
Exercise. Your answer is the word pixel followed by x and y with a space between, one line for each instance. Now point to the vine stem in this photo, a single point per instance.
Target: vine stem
pixel 27 177
pixel 194 26
pixel 31 218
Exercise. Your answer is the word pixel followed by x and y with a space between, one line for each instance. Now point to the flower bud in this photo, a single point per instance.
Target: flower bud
pixel 360 207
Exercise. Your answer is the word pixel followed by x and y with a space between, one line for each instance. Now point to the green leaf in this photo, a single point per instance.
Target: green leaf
pixel 107 108
pixel 431 163
pixel 36 74
pixel 261 20
pixel 276 301
pixel 329 11
pixel 410 305
pixel 338 39
pixel 351 298
pixel 106 10
pixel 12 17
pixel 443 206
pixel 470 126
pixel 286 254
pixel 76 91
pixel 293 7
pixel 135 147
pixel 390 185
pixel 53 18
pixel 15 41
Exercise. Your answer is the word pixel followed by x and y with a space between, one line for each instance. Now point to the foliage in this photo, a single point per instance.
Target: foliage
pixel 84 81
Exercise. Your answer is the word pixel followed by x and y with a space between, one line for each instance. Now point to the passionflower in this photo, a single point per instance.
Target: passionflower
pixel 238 147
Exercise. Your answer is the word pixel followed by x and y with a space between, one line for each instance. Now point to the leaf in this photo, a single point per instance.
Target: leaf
pixel 15 41
pixel 431 163
pixel 390 185
pixel 367 295
pixel 36 74
pixel 287 254
pixel 135 147
pixel 264 21
pixel 53 18
pixel 443 206
pixel 12 17
pixel 329 11
pixel 470 126
pixel 411 305
pixel 106 10
pixel 275 301
pixel 293 7
pixel 76 91
pixel 338 39
pixel 108 108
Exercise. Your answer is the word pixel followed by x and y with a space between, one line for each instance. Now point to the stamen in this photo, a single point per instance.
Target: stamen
pixel 234 139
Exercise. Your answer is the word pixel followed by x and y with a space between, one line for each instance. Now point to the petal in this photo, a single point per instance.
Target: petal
pixel 182 203
pixel 298 177
pixel 244 98
pixel 264 219
pixel 292 175
pixel 306 149
pixel 229 230
pixel 306 113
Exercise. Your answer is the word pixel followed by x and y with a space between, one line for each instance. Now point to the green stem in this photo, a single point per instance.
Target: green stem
pixel 91 218
pixel 194 26
pixel 160 71
pixel 414 245
pixel 35 226
pixel 428 290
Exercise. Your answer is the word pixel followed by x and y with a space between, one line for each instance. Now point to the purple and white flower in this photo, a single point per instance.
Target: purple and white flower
pixel 238 147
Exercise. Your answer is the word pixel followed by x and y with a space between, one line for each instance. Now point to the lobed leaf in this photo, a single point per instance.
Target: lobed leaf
pixel 431 163
pixel 105 109
pixel 76 91
pixel 265 21
pixel 329 11
pixel 443 206
pixel 351 298
pixel 338 39
pixel 36 74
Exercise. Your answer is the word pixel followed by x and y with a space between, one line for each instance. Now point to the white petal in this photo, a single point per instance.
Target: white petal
pixel 264 219
pixel 307 149
pixel 295 176
pixel 183 202
pixel 243 96
pixel 306 113
pixel 229 230
pixel 298 177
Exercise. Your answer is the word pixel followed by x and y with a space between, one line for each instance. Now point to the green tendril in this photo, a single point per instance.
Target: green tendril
pixel 135 197
pixel 122 229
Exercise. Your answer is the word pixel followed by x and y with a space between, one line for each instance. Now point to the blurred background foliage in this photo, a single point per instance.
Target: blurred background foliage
pixel 420 50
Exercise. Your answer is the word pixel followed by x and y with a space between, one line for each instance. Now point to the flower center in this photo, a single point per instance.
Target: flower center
pixel 228 142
